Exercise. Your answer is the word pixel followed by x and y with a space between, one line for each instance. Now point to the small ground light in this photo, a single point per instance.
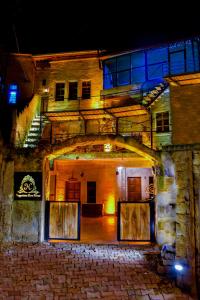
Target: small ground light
pixel 178 267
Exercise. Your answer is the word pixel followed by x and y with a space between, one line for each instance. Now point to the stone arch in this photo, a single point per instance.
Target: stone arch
pixel 128 143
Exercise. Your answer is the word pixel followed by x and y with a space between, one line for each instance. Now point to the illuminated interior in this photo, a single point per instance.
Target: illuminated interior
pixel 73 180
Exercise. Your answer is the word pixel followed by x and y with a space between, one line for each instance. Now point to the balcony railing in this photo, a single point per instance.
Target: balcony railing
pixel 58 138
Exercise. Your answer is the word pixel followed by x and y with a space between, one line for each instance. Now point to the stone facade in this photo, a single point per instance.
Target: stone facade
pixel 185 113
pixel 182 211
pixel 6 195
pixel 162 104
pixel 176 167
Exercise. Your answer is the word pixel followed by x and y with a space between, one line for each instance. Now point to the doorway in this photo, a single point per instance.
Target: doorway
pixel 91 192
pixel 134 189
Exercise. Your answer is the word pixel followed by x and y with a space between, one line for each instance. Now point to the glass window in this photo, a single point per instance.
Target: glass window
pixel 109 66
pixel 157 55
pixel 138 75
pixel 73 90
pixel 123 63
pixel 86 89
pixel 162 122
pixel 123 78
pixel 138 59
pixel 12 93
pixel 60 91
pixel 177 63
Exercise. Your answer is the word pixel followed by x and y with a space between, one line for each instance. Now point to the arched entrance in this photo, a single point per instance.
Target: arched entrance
pixel 90 191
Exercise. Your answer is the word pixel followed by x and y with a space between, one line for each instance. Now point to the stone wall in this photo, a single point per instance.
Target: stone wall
pixel 185 114
pixel 26 215
pixel 24 120
pixel 196 184
pixel 72 70
pixel 21 70
pixel 185 160
pixel 166 201
pixel 6 195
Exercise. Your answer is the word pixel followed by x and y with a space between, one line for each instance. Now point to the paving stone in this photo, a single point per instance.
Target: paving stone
pixel 81 271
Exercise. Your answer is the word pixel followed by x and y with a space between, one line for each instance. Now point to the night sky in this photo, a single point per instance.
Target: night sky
pixel 58 26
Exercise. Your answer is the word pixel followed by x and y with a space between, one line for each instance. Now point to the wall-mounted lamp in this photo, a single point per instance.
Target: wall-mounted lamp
pixel 178 267
pixel 181 266
pixel 107 147
pixel 45 90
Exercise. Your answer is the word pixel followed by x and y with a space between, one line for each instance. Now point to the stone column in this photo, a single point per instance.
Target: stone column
pixel 165 201
pixel 26 214
pixel 185 210
pixel 196 177
pixel 6 195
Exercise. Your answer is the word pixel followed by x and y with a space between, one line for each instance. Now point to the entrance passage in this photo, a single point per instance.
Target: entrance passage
pixel 99 230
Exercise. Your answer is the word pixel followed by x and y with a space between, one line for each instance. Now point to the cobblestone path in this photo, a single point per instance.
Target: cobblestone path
pixel 80 271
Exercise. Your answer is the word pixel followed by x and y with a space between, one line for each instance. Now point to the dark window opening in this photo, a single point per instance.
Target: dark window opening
pixel 162 122
pixel 86 89
pixel 44 82
pixel 73 90
pixel 60 91
pixel 91 192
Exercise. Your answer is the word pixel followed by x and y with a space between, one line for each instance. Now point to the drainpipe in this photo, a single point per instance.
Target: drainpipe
pixel 151 121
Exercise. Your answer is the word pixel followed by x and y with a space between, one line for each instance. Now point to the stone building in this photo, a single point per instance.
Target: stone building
pixel 104 135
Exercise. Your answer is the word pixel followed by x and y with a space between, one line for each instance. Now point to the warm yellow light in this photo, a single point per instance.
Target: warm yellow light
pixel 60 197
pixel 107 147
pixel 110 220
pixel 110 205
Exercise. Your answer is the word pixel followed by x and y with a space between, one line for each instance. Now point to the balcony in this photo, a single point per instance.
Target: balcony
pixel 121 96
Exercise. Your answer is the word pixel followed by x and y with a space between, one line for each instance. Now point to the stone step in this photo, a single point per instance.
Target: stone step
pixel 29 145
pixel 31 140
pixel 33 133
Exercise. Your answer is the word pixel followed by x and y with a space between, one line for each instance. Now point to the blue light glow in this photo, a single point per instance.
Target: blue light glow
pixel 12 94
pixel 178 267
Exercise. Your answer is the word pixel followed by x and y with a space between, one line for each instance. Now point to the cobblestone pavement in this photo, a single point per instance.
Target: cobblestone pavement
pixel 80 271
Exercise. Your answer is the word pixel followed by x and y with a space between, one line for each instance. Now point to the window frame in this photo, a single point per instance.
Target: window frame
pixel 58 97
pixel 84 97
pixel 164 126
pixel 69 89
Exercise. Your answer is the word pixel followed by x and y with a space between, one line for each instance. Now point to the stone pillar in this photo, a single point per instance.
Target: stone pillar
pixel 185 210
pixel 196 177
pixel 6 196
pixel 165 201
pixel 26 214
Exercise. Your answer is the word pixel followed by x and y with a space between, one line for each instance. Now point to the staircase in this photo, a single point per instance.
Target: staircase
pixel 35 132
pixel 151 95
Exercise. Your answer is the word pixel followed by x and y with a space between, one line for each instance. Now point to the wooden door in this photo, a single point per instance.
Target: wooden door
pixel 134 189
pixel 72 191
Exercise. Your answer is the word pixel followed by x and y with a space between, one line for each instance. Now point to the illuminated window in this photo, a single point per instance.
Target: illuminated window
pixel 73 90
pixel 162 122
pixel 60 91
pixel 86 89
pixel 12 93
